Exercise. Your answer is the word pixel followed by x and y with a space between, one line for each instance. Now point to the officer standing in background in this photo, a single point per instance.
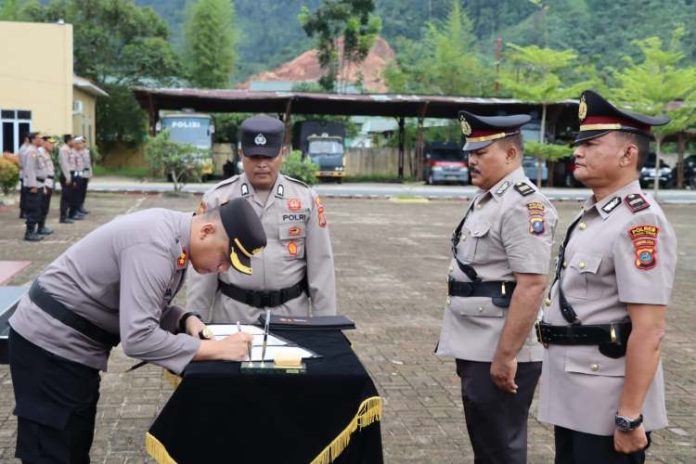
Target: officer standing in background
pixel 67 183
pixel 34 175
pixel 116 285
pixel 46 151
pixel 602 383
pixel 497 277
pixel 297 265
pixel 84 163
pixel 26 142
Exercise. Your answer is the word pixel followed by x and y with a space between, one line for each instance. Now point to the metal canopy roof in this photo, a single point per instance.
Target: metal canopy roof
pixel 429 106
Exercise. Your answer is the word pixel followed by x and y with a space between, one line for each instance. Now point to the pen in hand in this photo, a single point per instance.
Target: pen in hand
pixel 265 335
pixel 239 330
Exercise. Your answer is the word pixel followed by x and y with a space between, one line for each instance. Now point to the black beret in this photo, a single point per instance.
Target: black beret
pixel 245 233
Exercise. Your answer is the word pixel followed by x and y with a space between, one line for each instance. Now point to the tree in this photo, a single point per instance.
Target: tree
pixel 533 76
pixel 345 31
pixel 445 62
pixel 10 10
pixel 657 85
pixel 174 160
pixel 548 151
pixel 210 43
pixel 117 44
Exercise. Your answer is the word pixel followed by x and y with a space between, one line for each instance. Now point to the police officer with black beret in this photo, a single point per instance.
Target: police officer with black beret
pixel 116 285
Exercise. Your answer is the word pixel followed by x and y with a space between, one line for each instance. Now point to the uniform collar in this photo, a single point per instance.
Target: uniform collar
pixel 501 188
pixel 278 190
pixel 611 202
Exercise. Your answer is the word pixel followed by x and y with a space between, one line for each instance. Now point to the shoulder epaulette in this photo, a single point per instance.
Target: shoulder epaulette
pixel 297 181
pixel 524 188
pixel 228 181
pixel 636 202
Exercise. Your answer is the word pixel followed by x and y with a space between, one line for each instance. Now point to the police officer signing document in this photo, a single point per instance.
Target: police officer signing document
pixel 602 384
pixel 116 285
pixel 297 265
pixel 497 277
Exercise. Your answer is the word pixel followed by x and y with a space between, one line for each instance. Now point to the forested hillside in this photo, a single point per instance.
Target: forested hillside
pixel 600 31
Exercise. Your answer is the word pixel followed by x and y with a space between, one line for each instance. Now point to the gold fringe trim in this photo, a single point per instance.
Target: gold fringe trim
pixel 369 411
pixel 173 379
pixel 156 450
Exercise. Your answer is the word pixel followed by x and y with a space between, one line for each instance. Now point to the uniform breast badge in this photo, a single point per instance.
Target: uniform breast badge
pixel 294 204
pixel 644 238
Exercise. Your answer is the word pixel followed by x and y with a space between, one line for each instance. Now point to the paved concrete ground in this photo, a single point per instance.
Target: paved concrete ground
pixel 391 261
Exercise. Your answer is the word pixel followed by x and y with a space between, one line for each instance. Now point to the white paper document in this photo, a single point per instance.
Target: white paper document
pixel 223 330
pixel 273 351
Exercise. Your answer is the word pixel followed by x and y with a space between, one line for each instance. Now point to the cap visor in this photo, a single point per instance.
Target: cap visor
pixel 239 261
pixel 584 136
pixel 473 146
pixel 256 150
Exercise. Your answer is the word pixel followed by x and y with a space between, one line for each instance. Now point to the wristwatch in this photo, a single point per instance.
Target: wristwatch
pixel 626 424
pixel 182 321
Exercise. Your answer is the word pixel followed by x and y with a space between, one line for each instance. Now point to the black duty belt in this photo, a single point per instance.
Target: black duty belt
pixel 499 291
pixel 60 312
pixel 40 179
pixel 49 177
pixel 611 338
pixel 263 299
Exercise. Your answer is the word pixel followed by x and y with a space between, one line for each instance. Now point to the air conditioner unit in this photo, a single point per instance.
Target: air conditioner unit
pixel 77 107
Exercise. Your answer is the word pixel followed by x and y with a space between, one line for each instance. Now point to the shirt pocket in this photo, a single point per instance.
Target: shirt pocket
pixel 292 240
pixel 475 307
pixel 480 238
pixel 588 360
pixel 581 279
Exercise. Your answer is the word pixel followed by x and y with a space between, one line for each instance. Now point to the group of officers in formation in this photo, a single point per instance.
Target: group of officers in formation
pixel 261 240
pixel 37 176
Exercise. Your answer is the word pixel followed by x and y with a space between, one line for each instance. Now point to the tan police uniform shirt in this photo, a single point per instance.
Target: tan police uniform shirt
pixel 615 256
pixel 122 277
pixel 499 238
pixel 34 168
pixel 297 232
pixel 68 162
pixel 49 169
pixel 86 162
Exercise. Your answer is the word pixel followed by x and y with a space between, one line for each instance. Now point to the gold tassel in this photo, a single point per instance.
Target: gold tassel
pixel 173 379
pixel 369 411
pixel 156 450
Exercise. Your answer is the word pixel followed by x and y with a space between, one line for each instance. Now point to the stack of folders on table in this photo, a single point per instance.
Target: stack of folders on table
pixel 338 322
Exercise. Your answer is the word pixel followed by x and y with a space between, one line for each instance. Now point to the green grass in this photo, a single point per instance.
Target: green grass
pixel 134 172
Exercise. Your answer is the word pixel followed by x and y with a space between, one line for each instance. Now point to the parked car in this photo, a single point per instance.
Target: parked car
pixel 445 162
pixel 648 173
pixel 529 163
pixel 689 172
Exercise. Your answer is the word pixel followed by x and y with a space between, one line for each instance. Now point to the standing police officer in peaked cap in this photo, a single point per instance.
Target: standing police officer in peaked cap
pixel 116 285
pixel 501 253
pixel 295 274
pixel 602 383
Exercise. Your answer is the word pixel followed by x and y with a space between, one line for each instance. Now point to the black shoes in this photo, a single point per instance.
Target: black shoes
pixel 65 220
pixel 43 230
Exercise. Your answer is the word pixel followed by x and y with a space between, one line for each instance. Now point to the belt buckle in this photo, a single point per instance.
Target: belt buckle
pixel 540 336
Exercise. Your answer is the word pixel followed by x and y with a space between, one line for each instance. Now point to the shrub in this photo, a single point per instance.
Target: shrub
pixel 301 169
pixel 9 174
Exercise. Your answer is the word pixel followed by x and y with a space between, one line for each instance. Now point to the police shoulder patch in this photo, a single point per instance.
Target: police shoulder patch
pixel 536 217
pixel 636 202
pixel 644 238
pixel 523 188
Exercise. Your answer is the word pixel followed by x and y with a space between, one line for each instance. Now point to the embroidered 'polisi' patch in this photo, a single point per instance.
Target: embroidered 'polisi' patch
pixel 636 202
pixel 611 205
pixel 644 238
pixel 536 217
pixel 524 188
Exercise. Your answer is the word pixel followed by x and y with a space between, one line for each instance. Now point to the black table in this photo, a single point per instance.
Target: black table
pixel 330 414
pixel 9 298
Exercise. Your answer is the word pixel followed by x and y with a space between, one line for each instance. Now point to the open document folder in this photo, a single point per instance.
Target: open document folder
pixel 275 346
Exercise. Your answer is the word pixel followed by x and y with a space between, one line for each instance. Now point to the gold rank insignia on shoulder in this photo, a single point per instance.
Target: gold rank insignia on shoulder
pixel 182 260
pixel 582 109
pixel 466 127
pixel 523 189
pixel 636 202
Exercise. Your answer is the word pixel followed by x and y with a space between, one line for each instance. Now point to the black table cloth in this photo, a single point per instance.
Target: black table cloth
pixel 329 414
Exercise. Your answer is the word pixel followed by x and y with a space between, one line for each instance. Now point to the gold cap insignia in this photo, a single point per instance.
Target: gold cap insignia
pixel 582 109
pixel 466 128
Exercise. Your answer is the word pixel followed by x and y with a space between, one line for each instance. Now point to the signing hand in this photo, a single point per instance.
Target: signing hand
pixel 630 442
pixel 503 374
pixel 235 347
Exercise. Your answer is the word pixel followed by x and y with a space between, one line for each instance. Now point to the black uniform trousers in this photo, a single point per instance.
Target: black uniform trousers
pixel 67 194
pixel 56 403
pixel 32 206
pixel 21 196
pixel 45 205
pixel 496 420
pixel 82 183
pixel 574 447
